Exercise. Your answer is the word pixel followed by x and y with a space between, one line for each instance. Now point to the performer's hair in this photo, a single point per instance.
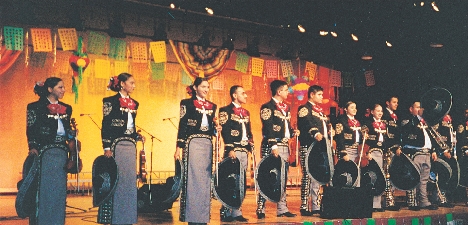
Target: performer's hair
pixel 233 90
pixel 375 106
pixel 42 89
pixel 196 82
pixel 114 82
pixel 314 89
pixel 389 99
pixel 275 85
pixel 348 104
pixel 414 101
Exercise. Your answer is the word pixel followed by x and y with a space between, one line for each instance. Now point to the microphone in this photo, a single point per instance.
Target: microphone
pixel 86 114
pixel 169 118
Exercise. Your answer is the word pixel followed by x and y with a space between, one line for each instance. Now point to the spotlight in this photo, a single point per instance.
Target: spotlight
pixel 172 6
pixel 434 7
pixel 209 10
pixel 388 44
pixel 436 45
pixel 334 34
pixel 366 57
pixel 301 28
pixel 355 38
pixel 422 4
pixel 323 33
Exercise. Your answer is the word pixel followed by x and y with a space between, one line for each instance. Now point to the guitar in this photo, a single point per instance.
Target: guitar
pixel 142 172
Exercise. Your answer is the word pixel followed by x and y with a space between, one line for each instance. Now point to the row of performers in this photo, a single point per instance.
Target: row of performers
pixel 51 137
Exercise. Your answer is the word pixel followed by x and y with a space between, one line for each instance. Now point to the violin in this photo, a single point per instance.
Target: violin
pixel 142 171
pixel 74 163
pixel 363 150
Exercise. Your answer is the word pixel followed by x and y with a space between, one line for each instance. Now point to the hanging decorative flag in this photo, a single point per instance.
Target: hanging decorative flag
pixel 139 52
pixel 369 75
pixel 257 67
pixel 347 79
pixel 242 62
pixel 247 82
pixel 41 39
pixel 117 49
pixel 13 38
pixel 311 69
pixel 157 71
pixel 120 67
pixel 271 68
pixel 79 61
pixel 62 65
pixel 68 38
pixel 186 80
pixel 140 71
pixel 158 49
pixel 172 72
pixel 96 43
pixel 335 78
pixel 102 68
pixel 286 68
pixel 38 59
pixel 218 83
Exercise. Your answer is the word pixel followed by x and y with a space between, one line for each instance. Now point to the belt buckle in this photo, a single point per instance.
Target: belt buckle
pixel 379 143
pixel 59 139
pixel 204 128
pixel 244 143
pixel 129 131
pixel 285 140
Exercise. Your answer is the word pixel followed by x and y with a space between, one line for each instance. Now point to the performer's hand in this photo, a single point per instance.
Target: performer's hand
pixel 297 132
pixel 143 138
pixel 447 155
pixel 346 158
pixel 108 153
pixel 369 157
pixel 398 151
pixel 232 154
pixel 434 156
pixel 318 137
pixel 332 132
pixel 72 145
pixel 275 153
pixel 33 151
pixel 219 128
pixel 177 155
pixel 366 136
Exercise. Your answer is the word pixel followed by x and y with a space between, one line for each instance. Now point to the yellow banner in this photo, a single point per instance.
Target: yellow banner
pixel 158 49
pixel 139 52
pixel 102 68
pixel 68 38
pixel 247 82
pixel 120 67
pixel 257 67
pixel 41 39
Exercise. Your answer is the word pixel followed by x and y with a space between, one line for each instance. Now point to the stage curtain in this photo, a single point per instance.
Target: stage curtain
pixel 200 61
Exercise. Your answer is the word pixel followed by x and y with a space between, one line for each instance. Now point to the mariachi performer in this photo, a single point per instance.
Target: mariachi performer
pixel 445 163
pixel 462 157
pixel 348 132
pixel 276 130
pixel 195 148
pixel 313 127
pixel 238 141
pixel 417 144
pixel 390 118
pixel 119 141
pixel 376 140
pixel 49 139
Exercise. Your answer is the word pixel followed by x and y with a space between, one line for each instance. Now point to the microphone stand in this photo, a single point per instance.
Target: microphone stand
pixel 94 121
pixel 173 124
pixel 151 156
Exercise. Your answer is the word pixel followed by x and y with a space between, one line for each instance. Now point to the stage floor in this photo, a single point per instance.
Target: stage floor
pixel 80 211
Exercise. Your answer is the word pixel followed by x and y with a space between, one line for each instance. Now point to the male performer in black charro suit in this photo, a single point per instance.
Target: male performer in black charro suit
pixel 312 123
pixel 390 118
pixel 277 131
pixel 238 139
pixel 418 144
pixel 462 155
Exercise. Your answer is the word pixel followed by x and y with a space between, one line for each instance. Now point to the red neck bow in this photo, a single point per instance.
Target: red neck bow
pixel 241 112
pixel 317 108
pixel 55 109
pixel 379 125
pixel 282 106
pixel 423 122
pixel 447 118
pixel 466 123
pixel 127 103
pixel 394 116
pixel 353 123
pixel 201 104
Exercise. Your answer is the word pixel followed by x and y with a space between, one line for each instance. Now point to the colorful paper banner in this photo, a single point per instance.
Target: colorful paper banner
pixel 117 49
pixel 157 71
pixel 335 78
pixel 247 82
pixel 140 71
pixel 311 69
pixel 186 80
pixel 271 68
pixel 242 62
pixel 257 67
pixel 158 49
pixel 218 83
pixel 172 72
pixel 286 68
pixel 102 68
pixel 68 38
pixel 38 59
pixel 139 52
pixel 96 43
pixel 120 67
pixel 369 75
pixel 13 38
pixel 41 39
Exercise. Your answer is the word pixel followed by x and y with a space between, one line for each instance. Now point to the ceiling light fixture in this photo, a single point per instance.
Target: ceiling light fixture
pixel 422 3
pixel 355 38
pixel 334 34
pixel 434 7
pixel 436 45
pixel 209 10
pixel 388 44
pixel 366 57
pixel 301 28
pixel 323 33
pixel 172 6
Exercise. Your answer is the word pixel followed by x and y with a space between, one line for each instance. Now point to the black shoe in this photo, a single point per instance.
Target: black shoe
pixel 304 212
pixel 392 208
pixel 431 207
pixel 316 212
pixel 260 215
pixel 447 205
pixel 379 210
pixel 227 219
pixel 240 219
pixel 414 208
pixel 287 214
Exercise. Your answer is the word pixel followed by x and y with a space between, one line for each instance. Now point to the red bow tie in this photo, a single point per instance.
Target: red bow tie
pixel 379 125
pixel 394 116
pixel 423 122
pixel 55 109
pixel 241 112
pixel 282 106
pixel 317 108
pixel 353 123
pixel 127 103
pixel 200 104
pixel 447 118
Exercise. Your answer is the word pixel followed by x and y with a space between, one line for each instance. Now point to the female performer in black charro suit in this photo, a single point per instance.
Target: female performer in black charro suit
pixel 119 141
pixel 49 137
pixel 195 148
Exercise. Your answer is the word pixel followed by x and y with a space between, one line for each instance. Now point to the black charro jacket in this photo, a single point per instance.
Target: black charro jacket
pixel 232 129
pixel 273 128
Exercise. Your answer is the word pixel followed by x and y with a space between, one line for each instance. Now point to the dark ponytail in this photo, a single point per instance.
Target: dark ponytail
pixel 42 88
pixel 114 82
pixel 191 89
